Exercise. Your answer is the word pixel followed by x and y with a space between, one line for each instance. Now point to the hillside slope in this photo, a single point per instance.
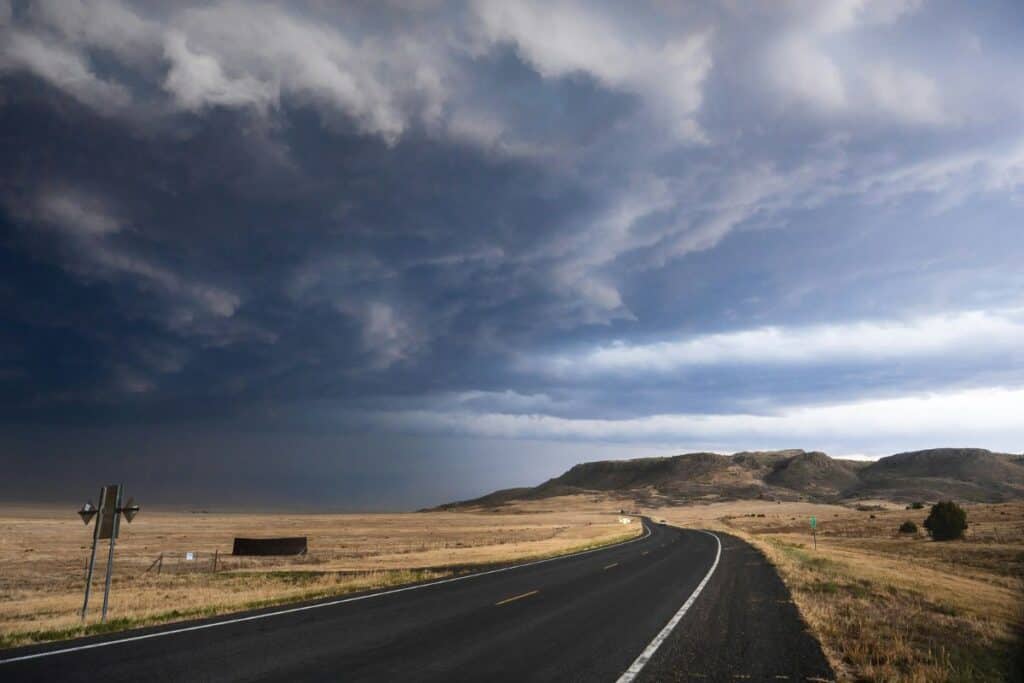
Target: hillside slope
pixel 969 474
pixel 963 473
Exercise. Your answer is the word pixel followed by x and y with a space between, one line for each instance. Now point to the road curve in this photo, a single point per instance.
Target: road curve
pixel 673 605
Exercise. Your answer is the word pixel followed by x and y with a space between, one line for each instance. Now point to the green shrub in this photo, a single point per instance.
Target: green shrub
pixel 916 505
pixel 908 527
pixel 946 521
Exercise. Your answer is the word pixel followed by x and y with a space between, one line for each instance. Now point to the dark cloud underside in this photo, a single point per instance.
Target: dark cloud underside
pixel 381 256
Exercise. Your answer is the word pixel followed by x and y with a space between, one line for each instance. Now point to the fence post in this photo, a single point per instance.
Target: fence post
pixel 216 550
pixel 153 564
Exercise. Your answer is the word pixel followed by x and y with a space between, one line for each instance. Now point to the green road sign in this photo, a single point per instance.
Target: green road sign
pixel 814 522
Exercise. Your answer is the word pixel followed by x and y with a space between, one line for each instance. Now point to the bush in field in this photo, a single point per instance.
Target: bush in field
pixel 946 521
pixel 916 505
pixel 908 527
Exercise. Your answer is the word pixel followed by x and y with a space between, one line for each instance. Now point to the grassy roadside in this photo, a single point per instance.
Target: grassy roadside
pixel 258 589
pixel 881 618
pixel 891 607
pixel 275 588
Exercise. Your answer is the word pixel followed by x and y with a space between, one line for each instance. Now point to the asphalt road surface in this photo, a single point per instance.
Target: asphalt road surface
pixel 672 605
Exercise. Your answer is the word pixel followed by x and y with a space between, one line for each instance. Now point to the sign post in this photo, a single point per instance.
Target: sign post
pixel 108 525
pixel 86 513
pixel 814 531
pixel 110 554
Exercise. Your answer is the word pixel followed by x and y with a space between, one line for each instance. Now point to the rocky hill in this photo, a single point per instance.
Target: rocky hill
pixel 967 474
pixel 963 473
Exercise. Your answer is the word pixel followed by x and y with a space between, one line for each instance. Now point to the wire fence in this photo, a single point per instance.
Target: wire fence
pixel 196 562
pixel 189 561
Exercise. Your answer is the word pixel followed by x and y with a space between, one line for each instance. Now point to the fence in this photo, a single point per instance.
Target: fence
pixel 180 562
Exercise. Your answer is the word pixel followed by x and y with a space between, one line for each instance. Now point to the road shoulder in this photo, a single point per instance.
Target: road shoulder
pixel 745 626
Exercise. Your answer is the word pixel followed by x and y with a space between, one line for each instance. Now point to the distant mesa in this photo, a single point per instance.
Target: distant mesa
pixel 964 474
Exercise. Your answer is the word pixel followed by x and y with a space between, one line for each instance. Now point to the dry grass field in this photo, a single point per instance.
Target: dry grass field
pixel 43 555
pixel 888 606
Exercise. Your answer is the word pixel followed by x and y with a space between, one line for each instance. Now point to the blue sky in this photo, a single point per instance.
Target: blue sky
pixel 384 255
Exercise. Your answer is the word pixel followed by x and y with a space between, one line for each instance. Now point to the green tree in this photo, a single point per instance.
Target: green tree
pixel 908 527
pixel 946 521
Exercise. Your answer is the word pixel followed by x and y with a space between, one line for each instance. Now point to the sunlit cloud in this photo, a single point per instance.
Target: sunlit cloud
pixel 971 334
pixel 989 416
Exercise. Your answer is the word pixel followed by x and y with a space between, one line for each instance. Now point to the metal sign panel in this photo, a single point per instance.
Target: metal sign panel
pixel 129 510
pixel 814 522
pixel 108 511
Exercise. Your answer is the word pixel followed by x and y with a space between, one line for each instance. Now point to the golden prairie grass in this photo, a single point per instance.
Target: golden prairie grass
pixel 44 550
pixel 888 606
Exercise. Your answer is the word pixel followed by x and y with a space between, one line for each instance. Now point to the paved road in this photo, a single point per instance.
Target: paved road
pixel 589 617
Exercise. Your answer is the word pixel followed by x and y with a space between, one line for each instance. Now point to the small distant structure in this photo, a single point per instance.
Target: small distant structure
pixel 291 545
pixel 625 520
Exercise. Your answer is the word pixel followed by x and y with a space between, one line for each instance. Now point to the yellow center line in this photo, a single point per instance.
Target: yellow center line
pixel 516 597
pixel 613 564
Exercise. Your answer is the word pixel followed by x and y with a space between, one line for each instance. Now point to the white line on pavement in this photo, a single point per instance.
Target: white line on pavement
pixel 638 664
pixel 303 608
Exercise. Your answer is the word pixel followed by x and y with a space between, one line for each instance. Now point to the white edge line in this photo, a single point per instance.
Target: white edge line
pixel 318 605
pixel 638 664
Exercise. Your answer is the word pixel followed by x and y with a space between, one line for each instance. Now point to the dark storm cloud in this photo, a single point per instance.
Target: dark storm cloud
pixel 447 224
